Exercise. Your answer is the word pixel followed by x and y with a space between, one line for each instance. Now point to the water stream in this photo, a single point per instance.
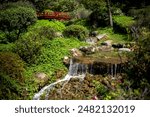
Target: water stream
pixel 76 70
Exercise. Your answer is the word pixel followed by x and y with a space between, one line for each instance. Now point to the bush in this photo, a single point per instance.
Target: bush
pixel 123 23
pixel 9 88
pixel 47 32
pixel 11 65
pixel 10 47
pixel 76 31
pixel 28 47
pixel 56 25
pixel 15 19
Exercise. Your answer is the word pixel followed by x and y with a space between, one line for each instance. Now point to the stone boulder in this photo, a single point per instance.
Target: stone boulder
pixel 58 34
pixel 124 50
pixel 41 79
pixel 94 33
pixel 92 40
pixel 88 49
pixel 66 60
pixel 101 36
pixel 75 52
pixel 107 43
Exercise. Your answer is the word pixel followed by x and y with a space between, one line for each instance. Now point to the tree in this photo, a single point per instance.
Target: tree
pixel 110 13
pixel 101 11
pixel 41 5
pixel 15 19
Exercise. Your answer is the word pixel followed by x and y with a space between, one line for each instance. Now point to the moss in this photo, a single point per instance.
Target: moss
pixel 11 65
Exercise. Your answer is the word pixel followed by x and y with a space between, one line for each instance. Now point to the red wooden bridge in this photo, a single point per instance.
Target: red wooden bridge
pixel 54 15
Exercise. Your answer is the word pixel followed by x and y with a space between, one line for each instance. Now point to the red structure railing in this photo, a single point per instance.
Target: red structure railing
pixel 54 15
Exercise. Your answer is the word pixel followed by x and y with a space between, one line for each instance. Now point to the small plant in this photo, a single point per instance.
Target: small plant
pixel 28 47
pixel 47 32
pixel 56 25
pixel 76 31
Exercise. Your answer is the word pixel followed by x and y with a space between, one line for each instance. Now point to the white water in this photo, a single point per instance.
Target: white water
pixel 76 70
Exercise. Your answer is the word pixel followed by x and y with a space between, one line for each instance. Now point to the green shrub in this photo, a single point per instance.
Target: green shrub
pixel 56 25
pixel 76 31
pixel 123 23
pixel 11 65
pixel 52 53
pixel 47 32
pixel 9 88
pixel 28 47
pixel 10 47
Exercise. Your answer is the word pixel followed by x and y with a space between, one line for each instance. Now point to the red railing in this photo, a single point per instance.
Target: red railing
pixel 54 15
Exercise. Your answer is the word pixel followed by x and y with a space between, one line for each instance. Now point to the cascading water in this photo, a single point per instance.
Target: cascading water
pixel 76 70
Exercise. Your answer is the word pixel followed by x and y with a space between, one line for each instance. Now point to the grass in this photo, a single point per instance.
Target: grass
pixel 53 51
pixel 115 37
pixel 123 21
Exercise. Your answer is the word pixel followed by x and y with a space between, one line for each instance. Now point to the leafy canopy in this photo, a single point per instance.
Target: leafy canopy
pixel 15 20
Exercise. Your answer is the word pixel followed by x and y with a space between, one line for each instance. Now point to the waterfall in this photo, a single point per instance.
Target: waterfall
pixel 76 70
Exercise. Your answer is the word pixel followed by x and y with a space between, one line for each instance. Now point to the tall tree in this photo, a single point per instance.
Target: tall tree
pixel 14 19
pixel 110 13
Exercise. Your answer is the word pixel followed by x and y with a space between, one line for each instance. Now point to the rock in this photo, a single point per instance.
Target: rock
pixel 75 52
pixel 117 45
pixel 106 48
pixel 41 79
pixel 94 33
pixel 88 49
pixel 91 40
pixel 124 50
pixel 40 76
pixel 107 43
pixel 66 60
pixel 101 36
pixel 58 34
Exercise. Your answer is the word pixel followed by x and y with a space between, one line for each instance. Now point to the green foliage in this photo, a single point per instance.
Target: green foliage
pixel 99 15
pixel 76 31
pixel 139 62
pixel 142 16
pixel 101 89
pixel 82 22
pixel 11 65
pixel 115 37
pixel 56 25
pixel 47 32
pixel 52 53
pixel 15 20
pixel 63 5
pixel 41 5
pixel 94 5
pixel 9 88
pixel 28 47
pixel 10 47
pixel 123 23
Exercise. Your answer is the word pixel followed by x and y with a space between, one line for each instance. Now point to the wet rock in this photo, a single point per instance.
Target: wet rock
pixel 124 50
pixel 107 43
pixel 105 48
pixel 94 33
pixel 101 36
pixel 92 40
pixel 75 52
pixel 117 45
pixel 66 60
pixel 90 49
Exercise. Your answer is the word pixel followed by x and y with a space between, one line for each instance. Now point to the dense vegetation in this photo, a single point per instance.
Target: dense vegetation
pixel 29 45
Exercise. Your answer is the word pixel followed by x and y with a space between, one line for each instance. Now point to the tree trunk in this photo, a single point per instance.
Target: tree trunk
pixel 110 14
